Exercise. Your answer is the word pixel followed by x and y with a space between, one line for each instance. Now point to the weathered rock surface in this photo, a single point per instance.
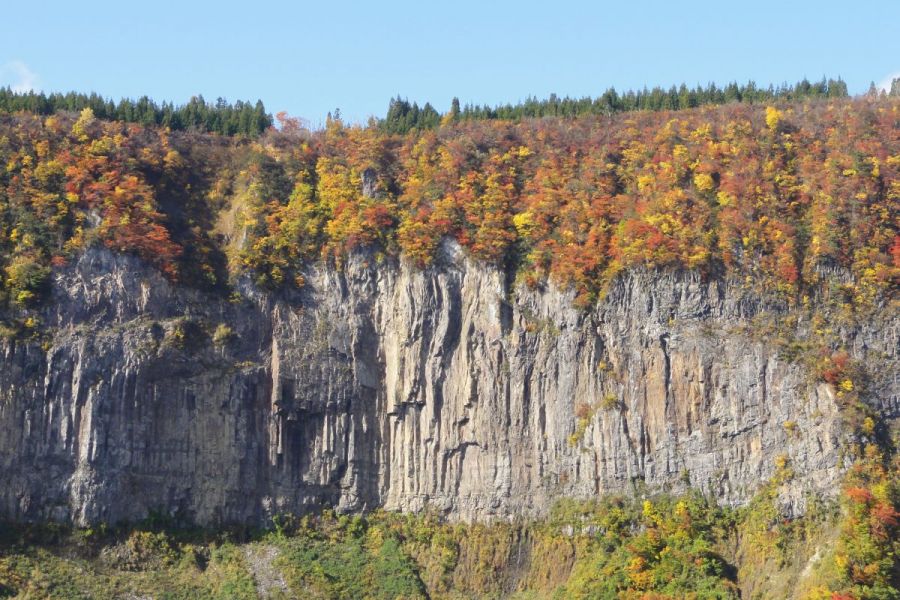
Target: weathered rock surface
pixel 384 386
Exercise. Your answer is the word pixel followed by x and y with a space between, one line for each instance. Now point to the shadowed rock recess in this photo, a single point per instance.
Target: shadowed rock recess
pixel 381 385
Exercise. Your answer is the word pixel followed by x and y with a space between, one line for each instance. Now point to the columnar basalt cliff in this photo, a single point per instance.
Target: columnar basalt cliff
pixel 381 385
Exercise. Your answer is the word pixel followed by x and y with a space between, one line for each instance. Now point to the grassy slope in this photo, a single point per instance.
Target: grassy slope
pixel 613 548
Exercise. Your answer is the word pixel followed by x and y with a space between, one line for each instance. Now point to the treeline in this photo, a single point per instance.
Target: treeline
pixel 240 118
pixel 403 117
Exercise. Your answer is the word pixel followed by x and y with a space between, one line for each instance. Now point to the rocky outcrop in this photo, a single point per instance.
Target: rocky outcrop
pixel 384 386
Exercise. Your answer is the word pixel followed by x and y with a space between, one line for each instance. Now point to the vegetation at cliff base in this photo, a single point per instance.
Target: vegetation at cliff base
pixel 658 547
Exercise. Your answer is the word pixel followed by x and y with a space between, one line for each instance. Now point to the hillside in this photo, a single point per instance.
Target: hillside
pixel 517 331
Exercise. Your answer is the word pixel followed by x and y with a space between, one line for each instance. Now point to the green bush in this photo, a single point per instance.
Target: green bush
pixel 26 280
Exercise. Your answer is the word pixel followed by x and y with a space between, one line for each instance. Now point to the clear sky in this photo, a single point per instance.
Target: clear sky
pixel 311 57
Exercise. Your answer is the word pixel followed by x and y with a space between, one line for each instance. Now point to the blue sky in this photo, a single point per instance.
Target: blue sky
pixel 309 58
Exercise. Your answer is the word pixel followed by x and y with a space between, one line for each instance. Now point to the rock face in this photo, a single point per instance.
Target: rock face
pixel 384 386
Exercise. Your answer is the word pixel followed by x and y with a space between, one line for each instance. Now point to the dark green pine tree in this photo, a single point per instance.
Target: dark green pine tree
pixel 454 109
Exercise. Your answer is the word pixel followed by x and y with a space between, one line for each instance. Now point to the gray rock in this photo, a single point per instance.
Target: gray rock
pixel 385 386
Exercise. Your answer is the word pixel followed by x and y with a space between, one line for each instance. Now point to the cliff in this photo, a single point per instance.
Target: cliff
pixel 380 385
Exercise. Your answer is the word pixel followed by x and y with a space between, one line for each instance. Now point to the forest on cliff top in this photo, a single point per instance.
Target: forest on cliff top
pixel 771 192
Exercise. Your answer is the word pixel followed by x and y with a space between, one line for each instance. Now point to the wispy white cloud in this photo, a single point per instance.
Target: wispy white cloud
pixel 19 77
pixel 885 84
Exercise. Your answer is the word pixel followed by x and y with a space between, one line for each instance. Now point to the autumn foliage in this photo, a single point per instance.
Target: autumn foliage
pixel 779 195
pixel 782 196
pixel 866 555
pixel 69 181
